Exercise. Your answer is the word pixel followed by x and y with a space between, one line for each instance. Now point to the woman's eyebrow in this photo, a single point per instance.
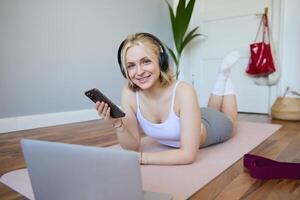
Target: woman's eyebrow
pixel 145 58
pixel 132 62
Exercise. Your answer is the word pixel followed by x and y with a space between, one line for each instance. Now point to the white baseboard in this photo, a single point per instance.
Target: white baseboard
pixel 37 121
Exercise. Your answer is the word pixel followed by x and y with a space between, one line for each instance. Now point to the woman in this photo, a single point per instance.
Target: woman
pixel 168 110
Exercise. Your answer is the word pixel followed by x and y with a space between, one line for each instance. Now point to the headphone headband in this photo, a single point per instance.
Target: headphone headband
pixel 163 57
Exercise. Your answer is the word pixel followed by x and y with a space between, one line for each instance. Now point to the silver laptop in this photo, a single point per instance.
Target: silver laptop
pixel 70 172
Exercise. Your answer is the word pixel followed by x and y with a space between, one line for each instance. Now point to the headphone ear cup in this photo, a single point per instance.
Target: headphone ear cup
pixel 120 60
pixel 163 61
pixel 123 72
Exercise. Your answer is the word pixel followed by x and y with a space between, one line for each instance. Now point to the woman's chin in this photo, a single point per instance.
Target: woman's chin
pixel 144 84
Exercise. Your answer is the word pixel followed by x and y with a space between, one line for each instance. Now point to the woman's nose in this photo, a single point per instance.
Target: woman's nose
pixel 139 69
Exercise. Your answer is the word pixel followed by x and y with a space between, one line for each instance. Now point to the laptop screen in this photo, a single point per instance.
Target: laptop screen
pixel 68 171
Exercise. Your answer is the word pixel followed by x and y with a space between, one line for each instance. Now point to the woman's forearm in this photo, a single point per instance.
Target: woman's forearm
pixel 170 157
pixel 126 139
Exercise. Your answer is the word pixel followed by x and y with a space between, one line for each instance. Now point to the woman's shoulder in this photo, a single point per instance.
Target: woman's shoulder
pixel 128 93
pixel 185 90
pixel 126 90
pixel 185 87
pixel 128 96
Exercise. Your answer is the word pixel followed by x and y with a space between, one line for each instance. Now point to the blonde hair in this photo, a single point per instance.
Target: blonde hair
pixel 165 78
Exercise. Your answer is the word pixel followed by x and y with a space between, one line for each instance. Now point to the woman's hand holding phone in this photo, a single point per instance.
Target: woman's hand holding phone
pixel 104 112
pixel 95 95
pixel 106 108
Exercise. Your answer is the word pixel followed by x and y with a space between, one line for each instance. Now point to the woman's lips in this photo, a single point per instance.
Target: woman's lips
pixel 143 80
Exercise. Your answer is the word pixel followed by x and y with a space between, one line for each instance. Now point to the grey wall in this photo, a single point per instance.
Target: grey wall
pixel 53 50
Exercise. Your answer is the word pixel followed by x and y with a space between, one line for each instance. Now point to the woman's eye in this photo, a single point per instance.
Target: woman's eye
pixel 130 66
pixel 147 61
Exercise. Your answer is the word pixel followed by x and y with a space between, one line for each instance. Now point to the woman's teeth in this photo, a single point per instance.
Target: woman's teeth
pixel 143 80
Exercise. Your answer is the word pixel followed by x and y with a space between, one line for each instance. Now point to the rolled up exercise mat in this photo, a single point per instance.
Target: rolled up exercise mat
pixel 264 168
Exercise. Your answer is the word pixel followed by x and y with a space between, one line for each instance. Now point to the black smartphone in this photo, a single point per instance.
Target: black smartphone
pixel 95 95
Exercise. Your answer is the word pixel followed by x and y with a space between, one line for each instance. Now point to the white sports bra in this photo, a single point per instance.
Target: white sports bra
pixel 167 132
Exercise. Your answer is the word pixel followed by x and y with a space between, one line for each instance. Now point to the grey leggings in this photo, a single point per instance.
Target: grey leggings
pixel 218 126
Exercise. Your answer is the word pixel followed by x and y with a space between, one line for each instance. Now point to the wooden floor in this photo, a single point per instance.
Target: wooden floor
pixel 234 183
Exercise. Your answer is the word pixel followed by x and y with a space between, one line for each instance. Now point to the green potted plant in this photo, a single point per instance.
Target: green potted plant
pixel 180 22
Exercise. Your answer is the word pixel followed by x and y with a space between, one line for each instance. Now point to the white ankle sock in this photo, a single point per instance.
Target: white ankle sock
pixel 221 86
pixel 229 60
pixel 228 88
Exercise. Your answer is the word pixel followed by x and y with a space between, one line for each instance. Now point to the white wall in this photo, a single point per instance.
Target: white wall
pixel 53 50
pixel 285 21
pixel 290 45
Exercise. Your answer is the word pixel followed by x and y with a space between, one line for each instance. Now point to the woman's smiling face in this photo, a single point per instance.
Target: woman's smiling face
pixel 142 66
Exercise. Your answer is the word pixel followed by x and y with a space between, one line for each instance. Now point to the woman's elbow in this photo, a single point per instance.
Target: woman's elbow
pixel 189 159
pixel 129 147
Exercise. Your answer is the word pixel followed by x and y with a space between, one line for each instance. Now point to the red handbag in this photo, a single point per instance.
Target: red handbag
pixel 261 60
